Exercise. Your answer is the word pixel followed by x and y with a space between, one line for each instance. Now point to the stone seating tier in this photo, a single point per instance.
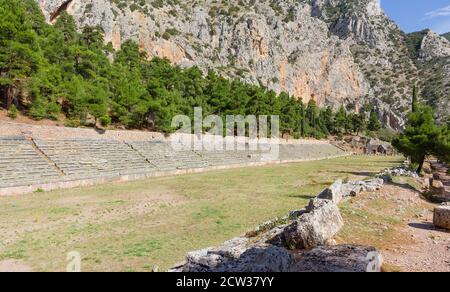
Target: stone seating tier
pixel 25 162
pixel 21 164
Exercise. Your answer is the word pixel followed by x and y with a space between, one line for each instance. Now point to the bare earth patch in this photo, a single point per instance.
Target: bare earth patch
pixel 398 221
pixel 429 250
pixel 13 266
pixel 26 120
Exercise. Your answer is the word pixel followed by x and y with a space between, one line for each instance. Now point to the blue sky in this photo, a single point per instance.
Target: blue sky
pixel 414 15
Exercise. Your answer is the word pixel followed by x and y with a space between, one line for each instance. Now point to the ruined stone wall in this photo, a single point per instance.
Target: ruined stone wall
pixel 300 242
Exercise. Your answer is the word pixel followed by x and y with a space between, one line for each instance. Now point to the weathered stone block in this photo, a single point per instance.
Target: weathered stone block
pixel 316 227
pixel 442 217
pixel 437 187
pixel 238 256
pixel 341 258
pixel 338 191
pixel 333 193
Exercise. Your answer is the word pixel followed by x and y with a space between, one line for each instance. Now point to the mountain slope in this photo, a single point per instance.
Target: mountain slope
pixel 434 65
pixel 335 51
pixel 447 35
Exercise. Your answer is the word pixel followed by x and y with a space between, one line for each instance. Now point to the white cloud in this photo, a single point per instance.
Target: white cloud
pixel 444 11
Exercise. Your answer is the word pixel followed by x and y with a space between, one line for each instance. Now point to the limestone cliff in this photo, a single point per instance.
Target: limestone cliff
pixel 336 51
pixel 434 65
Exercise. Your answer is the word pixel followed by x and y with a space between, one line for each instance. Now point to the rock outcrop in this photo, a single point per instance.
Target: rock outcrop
pixel 335 51
pixel 434 46
pixel 304 245
pixel 339 259
pixel 339 190
pixel 280 46
pixel 314 228
pixel 434 62
pixel 238 255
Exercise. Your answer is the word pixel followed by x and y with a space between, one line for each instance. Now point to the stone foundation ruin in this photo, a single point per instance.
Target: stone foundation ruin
pixel 303 244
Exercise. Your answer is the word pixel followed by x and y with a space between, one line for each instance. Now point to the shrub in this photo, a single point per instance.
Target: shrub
pixel 12 113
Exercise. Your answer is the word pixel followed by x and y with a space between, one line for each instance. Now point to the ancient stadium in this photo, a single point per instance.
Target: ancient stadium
pixel 126 201
pixel 196 140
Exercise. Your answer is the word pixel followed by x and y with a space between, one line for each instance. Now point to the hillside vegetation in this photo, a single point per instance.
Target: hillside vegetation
pixel 446 35
pixel 48 71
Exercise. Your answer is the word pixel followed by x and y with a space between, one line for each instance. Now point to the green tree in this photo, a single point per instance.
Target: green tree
pixel 341 120
pixel 374 122
pixel 443 145
pixel 131 99
pixel 50 70
pixel 130 56
pixel 421 137
pixel 312 114
pixel 328 119
pixel 92 37
pixel 20 54
pixel 67 26
pixel 358 122
pixel 414 99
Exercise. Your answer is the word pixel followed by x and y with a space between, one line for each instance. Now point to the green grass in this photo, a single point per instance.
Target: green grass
pixel 136 225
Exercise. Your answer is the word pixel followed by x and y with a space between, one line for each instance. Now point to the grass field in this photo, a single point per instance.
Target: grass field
pixel 136 225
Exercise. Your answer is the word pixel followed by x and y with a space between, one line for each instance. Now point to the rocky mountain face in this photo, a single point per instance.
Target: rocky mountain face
pixel 446 35
pixel 335 51
pixel 434 69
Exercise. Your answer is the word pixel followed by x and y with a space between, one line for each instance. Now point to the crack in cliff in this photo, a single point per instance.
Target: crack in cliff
pixel 63 7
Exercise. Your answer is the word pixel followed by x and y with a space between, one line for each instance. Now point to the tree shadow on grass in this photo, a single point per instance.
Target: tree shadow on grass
pixel 360 173
pixel 304 197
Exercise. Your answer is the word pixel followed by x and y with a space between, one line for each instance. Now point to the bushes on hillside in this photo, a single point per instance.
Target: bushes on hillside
pixel 56 70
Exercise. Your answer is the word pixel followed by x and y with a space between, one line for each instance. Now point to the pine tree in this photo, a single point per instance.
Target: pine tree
pixel 20 54
pixel 311 113
pixel 422 137
pixel 374 122
pixel 414 99
pixel 341 120
pixel 358 122
pixel 92 37
pixel 67 26
pixel 304 121
pixel 328 119
pixel 55 69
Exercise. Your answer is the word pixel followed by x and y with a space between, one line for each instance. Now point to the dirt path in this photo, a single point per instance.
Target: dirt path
pixel 425 248
pixel 398 221
pixel 428 252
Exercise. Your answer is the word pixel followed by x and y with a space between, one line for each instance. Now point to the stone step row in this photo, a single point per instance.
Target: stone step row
pixel 20 163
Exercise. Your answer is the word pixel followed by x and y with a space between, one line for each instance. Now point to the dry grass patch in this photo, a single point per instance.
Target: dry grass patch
pixel 135 225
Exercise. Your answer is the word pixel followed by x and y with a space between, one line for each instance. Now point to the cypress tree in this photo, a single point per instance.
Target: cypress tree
pixel 414 99
pixel 374 122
